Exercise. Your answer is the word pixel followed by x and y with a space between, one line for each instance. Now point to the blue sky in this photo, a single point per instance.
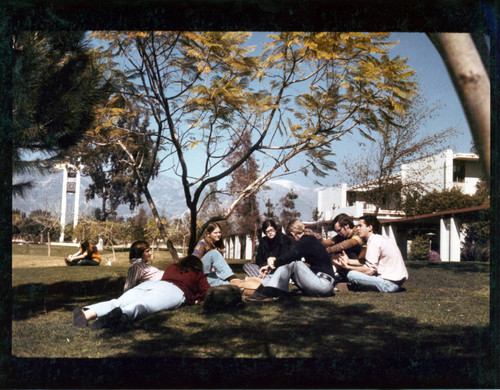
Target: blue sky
pixel 436 85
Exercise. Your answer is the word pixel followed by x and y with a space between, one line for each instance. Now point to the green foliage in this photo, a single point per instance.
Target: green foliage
pixel 39 226
pixel 269 213
pixel 475 253
pixel 288 211
pixel 57 82
pixel 448 199
pixel 419 249
pixel 209 96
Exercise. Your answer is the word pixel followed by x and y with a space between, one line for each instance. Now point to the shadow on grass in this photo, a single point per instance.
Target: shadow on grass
pixel 456 267
pixel 35 298
pixel 359 347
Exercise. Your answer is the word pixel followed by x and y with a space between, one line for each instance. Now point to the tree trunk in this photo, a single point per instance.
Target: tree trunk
pixel 160 225
pixel 48 243
pixel 472 84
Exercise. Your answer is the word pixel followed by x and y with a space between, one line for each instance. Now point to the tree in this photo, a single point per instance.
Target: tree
pixel 204 92
pixel 106 162
pixel 246 216
pixel 288 211
pixel 269 214
pixel 316 215
pixel 469 74
pixel 44 223
pixel 377 172
pixel 56 83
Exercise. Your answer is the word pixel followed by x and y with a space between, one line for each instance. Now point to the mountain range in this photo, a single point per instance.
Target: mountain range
pixel 166 191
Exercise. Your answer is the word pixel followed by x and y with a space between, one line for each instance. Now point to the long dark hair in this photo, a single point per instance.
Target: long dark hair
pixel 190 263
pixel 86 247
pixel 211 244
pixel 137 249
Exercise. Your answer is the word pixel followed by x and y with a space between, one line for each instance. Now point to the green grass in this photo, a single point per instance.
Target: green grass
pixel 443 316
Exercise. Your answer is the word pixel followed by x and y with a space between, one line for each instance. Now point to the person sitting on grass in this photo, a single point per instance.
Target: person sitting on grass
pixel 87 255
pixel 181 283
pixel 314 280
pixel 346 239
pixel 384 269
pixel 273 244
pixel 209 250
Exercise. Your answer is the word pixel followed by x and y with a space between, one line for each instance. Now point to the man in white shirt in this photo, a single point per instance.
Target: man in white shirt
pixel 384 269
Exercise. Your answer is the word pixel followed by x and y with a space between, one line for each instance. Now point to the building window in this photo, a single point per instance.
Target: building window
pixel 458 171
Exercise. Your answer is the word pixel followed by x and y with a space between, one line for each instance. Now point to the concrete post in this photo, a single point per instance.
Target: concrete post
pixel 444 239
pixel 63 203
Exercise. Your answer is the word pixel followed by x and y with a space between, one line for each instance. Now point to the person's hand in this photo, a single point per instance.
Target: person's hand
pixel 264 271
pixel 344 260
pixel 270 262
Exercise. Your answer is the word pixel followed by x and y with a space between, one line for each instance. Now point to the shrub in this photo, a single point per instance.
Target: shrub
pixel 475 253
pixel 419 249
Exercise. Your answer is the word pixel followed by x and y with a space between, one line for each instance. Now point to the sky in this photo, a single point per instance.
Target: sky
pixel 436 85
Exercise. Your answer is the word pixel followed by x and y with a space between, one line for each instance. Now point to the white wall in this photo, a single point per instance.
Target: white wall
pixel 434 172
pixel 330 196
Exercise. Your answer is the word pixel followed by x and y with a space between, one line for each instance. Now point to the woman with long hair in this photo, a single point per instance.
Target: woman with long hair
pixel 209 250
pixel 180 283
pixel 314 280
pixel 273 244
pixel 86 255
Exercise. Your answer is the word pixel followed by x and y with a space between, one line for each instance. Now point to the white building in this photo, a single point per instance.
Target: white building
pixel 439 172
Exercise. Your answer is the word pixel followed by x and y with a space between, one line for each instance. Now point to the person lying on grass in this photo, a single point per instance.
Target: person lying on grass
pixel 86 255
pixel 181 283
pixel 209 250
pixel 384 269
pixel 314 280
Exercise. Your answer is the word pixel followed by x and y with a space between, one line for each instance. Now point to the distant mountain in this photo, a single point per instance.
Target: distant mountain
pixel 166 191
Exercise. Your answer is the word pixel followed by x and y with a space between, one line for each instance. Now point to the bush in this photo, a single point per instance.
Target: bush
pixel 419 249
pixel 475 253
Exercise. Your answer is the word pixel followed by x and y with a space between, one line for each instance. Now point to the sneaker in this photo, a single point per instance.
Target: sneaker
pixel 109 320
pixel 67 262
pixel 79 319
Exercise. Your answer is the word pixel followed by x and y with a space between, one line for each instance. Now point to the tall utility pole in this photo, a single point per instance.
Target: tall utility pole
pixel 71 184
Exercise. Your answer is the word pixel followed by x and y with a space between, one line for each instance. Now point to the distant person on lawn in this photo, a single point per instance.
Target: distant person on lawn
pixel 384 269
pixel 180 283
pixel 86 255
pixel 347 240
pixel 209 250
pixel 273 244
pixel 314 280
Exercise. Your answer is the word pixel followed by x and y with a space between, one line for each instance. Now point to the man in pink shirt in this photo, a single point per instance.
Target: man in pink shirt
pixel 384 269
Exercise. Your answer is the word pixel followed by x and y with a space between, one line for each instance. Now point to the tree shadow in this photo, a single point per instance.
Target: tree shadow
pixel 35 298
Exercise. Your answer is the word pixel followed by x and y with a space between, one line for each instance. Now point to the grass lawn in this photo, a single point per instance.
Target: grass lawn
pixel 436 334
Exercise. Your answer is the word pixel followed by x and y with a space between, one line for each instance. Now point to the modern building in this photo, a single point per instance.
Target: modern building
pixel 439 172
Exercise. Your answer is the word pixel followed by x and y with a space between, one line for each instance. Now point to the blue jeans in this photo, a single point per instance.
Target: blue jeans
pixel 216 268
pixel 306 280
pixel 143 300
pixel 372 283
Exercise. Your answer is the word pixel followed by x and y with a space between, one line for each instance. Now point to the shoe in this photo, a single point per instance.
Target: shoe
pixel 258 297
pixel 79 319
pixel 109 320
pixel 68 263
pixel 266 294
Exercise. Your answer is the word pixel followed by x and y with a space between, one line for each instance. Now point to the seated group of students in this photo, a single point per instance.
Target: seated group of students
pixel 314 265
